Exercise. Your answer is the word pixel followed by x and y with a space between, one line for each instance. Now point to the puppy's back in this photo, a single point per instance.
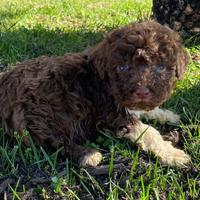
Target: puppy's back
pixel 33 81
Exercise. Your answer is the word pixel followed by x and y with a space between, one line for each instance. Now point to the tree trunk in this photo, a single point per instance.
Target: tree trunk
pixel 180 15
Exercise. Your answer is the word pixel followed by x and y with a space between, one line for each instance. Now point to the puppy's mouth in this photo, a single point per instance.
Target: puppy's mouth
pixel 141 99
pixel 140 104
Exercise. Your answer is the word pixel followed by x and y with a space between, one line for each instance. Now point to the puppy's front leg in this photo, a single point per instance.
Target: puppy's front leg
pixel 162 115
pixel 150 140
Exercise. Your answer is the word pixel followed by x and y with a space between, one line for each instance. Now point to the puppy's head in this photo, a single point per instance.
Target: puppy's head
pixel 140 63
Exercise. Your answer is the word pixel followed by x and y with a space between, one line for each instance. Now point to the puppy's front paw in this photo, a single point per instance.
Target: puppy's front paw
pixel 174 157
pixel 161 115
pixel 169 116
pixel 91 159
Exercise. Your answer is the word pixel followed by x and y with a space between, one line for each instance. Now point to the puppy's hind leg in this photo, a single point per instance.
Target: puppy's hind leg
pixel 85 156
pixel 151 140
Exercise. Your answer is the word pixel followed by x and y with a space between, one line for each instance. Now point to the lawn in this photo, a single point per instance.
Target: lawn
pixel 53 27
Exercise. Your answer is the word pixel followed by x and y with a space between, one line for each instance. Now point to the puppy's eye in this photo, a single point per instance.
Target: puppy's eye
pixel 160 68
pixel 123 68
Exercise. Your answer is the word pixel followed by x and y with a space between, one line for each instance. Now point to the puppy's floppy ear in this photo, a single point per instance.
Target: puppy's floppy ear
pixel 98 55
pixel 98 58
pixel 114 35
pixel 182 62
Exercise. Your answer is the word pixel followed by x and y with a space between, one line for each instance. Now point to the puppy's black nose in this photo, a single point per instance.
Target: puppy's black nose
pixel 142 92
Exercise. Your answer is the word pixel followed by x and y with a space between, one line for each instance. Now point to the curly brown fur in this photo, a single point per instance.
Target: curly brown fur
pixel 60 99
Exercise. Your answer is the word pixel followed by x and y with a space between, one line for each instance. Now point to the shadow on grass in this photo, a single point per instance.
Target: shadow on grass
pixel 26 43
pixel 192 41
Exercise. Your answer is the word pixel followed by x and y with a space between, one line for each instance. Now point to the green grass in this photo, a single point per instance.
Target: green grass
pixel 53 27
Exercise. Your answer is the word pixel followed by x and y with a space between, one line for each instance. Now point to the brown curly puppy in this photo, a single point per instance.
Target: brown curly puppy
pixel 60 99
